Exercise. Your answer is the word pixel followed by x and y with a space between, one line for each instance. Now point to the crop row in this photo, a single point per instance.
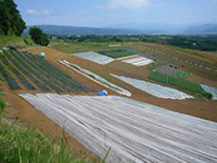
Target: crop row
pixel 187 85
pixel 26 72
pixel 53 73
pixel 48 74
pixel 37 72
pixel 17 73
pixel 9 78
pixel 174 72
pixel 117 53
pixel 63 75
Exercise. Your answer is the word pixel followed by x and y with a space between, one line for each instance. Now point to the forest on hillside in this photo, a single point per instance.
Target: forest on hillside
pixel 202 43
pixel 11 22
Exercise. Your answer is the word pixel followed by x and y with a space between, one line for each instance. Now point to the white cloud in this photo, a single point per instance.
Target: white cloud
pixel 128 3
pixel 32 12
pixel 78 11
pixel 47 11
pixel 99 7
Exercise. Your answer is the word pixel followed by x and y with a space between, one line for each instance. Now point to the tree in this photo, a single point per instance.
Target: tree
pixel 11 22
pixel 38 36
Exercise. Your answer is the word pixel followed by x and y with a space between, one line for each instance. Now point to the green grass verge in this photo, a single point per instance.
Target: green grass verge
pixel 81 47
pixel 20 42
pixel 155 65
pixel 117 54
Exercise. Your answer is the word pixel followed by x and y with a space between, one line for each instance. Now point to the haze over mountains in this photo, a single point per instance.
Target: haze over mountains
pixel 132 28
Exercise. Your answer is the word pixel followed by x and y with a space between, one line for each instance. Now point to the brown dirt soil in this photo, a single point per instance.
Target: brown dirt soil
pixel 201 80
pixel 22 111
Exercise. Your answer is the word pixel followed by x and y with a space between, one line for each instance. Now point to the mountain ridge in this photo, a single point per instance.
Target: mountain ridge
pixel 130 29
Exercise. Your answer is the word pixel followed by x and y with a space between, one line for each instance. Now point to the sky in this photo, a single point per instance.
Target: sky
pixel 100 13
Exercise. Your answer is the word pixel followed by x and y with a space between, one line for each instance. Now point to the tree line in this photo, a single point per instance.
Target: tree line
pixel 202 43
pixel 11 22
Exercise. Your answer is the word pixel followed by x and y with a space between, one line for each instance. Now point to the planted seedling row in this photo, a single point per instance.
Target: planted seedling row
pixel 53 74
pixel 9 78
pixel 56 74
pixel 194 87
pixel 17 73
pixel 45 74
pixel 66 75
pixel 27 73
pixel 88 89
pixel 36 73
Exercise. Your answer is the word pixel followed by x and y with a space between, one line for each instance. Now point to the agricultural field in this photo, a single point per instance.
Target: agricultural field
pixel 81 47
pixel 117 53
pixel 40 72
pixel 94 123
pixel 173 72
pixel 201 65
pixel 155 89
pixel 137 60
pixel 103 123
pixel 95 57
pixel 187 85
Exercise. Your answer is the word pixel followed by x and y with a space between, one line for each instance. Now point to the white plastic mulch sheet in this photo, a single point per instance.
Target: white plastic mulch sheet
pixel 123 91
pixel 138 61
pixel 134 133
pixel 95 57
pixel 154 89
pixel 210 90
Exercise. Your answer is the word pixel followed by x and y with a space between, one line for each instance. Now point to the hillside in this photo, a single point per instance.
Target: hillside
pixel 66 30
pixel 44 92
pixel 20 42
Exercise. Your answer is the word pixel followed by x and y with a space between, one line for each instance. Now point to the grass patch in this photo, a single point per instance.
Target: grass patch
pixel 155 65
pixel 25 145
pixel 117 53
pixel 81 47
pixel 20 42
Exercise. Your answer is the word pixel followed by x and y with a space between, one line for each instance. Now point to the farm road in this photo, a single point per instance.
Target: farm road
pixel 133 133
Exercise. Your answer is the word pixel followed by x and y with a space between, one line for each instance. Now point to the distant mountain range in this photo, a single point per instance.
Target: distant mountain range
pixel 131 29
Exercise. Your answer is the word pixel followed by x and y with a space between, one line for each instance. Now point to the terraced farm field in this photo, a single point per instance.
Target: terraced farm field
pixel 98 123
pixel 117 53
pixel 50 77
pixel 202 66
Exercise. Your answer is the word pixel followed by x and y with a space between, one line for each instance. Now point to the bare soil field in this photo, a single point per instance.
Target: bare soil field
pixel 23 112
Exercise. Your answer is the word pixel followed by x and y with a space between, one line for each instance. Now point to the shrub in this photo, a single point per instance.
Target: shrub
pixel 2 105
pixel 208 95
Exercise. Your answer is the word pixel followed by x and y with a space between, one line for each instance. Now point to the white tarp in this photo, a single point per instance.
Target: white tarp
pixel 135 134
pixel 154 89
pixel 96 78
pixel 95 57
pixel 137 60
